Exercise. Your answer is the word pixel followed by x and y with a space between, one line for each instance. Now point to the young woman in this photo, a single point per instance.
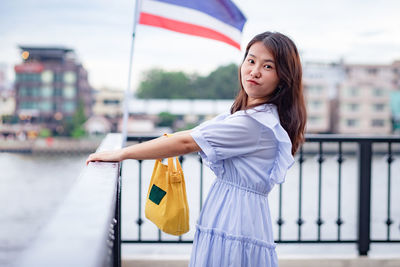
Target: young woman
pixel 249 150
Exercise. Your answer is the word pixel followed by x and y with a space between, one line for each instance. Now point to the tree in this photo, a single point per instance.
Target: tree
pixel 45 132
pixel 161 84
pixel 166 119
pixel 222 83
pixel 219 84
pixel 74 125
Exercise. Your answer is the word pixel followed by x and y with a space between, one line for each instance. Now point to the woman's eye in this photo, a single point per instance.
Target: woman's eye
pixel 268 66
pixel 250 60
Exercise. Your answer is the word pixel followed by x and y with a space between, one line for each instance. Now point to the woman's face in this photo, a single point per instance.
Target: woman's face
pixel 258 73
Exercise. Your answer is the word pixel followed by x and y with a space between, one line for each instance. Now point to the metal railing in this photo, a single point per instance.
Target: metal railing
pixel 87 228
pixel 317 148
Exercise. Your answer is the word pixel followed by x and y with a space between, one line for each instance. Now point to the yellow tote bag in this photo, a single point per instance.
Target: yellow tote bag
pixel 166 204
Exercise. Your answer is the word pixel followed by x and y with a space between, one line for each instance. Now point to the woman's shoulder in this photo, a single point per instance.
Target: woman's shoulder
pixel 222 116
pixel 265 114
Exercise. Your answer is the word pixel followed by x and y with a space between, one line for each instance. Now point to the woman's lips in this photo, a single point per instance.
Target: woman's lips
pixel 252 82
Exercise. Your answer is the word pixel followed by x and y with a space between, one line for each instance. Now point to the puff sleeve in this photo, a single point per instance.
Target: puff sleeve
pixel 284 159
pixel 231 137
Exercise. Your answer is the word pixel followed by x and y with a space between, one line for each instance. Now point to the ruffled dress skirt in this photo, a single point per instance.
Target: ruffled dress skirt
pixel 234 229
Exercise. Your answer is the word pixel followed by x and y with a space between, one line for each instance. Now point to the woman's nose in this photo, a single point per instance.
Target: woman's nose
pixel 255 73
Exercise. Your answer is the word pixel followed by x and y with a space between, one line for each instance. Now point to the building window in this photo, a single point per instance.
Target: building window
pixel 46 92
pixel 35 91
pixel 378 92
pixel 69 106
pixel 18 77
pixel 46 106
pixel 28 105
pixel 58 92
pixel 372 71
pixel 69 92
pixel 28 77
pixel 47 76
pixel 58 77
pixel 111 102
pixel 314 119
pixel 378 107
pixel 378 123
pixel 353 107
pixel 70 77
pixel 352 122
pixel 313 89
pixel 316 104
pixel 353 91
pixel 22 91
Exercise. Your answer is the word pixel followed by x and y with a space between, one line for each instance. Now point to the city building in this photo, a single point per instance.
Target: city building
pixel 97 125
pixel 364 99
pixel 3 77
pixel 144 114
pixel 321 81
pixel 50 84
pixel 7 99
pixel 395 98
pixel 108 104
pixel 7 104
pixel 192 107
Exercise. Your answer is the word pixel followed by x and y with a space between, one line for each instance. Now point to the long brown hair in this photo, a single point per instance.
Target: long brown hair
pixel 288 96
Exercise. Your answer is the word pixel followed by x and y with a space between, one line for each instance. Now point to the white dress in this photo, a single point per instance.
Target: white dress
pixel 249 152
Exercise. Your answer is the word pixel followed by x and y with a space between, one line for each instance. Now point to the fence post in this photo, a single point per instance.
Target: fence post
pixel 364 196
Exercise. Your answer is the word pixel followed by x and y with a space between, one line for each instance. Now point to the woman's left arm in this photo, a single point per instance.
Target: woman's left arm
pixel 162 147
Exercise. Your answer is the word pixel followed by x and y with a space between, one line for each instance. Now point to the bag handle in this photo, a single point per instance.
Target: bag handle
pixel 175 172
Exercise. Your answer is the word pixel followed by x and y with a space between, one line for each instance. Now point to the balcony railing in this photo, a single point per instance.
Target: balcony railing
pixel 87 228
pixel 316 150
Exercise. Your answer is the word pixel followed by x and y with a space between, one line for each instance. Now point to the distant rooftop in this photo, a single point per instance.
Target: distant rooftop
pixel 45 53
pixel 180 106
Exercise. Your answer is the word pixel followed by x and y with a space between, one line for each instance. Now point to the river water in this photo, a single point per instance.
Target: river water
pixel 33 186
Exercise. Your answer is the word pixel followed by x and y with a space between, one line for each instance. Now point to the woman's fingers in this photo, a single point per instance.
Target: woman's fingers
pixel 92 157
pixel 111 156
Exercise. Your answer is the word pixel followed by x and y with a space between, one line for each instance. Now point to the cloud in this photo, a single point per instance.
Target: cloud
pixel 100 32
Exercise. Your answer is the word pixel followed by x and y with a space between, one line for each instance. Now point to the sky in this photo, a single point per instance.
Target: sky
pixel 100 32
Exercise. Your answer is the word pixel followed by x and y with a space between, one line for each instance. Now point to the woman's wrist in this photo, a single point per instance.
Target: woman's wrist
pixel 121 154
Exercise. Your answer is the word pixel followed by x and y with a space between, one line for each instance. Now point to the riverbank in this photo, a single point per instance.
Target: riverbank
pixel 51 145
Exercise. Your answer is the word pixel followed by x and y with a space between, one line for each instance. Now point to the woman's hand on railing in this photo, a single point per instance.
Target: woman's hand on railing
pixel 108 156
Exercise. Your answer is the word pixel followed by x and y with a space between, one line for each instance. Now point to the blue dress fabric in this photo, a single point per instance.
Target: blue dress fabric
pixel 249 152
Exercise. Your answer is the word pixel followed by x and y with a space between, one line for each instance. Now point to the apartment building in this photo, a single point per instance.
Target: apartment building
pixel 321 81
pixel 108 104
pixel 7 100
pixel 50 83
pixel 364 98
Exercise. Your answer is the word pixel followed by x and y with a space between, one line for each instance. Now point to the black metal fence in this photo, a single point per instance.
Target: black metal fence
pixel 316 149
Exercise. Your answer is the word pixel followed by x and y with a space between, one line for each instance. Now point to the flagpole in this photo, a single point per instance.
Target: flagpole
pixel 127 95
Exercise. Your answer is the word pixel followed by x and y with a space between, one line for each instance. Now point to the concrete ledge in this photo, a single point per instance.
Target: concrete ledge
pixel 315 262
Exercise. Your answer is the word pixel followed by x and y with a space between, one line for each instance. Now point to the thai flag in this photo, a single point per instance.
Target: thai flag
pixel 215 19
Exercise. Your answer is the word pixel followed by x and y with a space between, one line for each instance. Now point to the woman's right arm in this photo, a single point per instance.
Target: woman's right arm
pixel 178 144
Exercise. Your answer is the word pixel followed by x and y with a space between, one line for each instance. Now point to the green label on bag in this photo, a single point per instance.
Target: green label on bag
pixel 156 194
